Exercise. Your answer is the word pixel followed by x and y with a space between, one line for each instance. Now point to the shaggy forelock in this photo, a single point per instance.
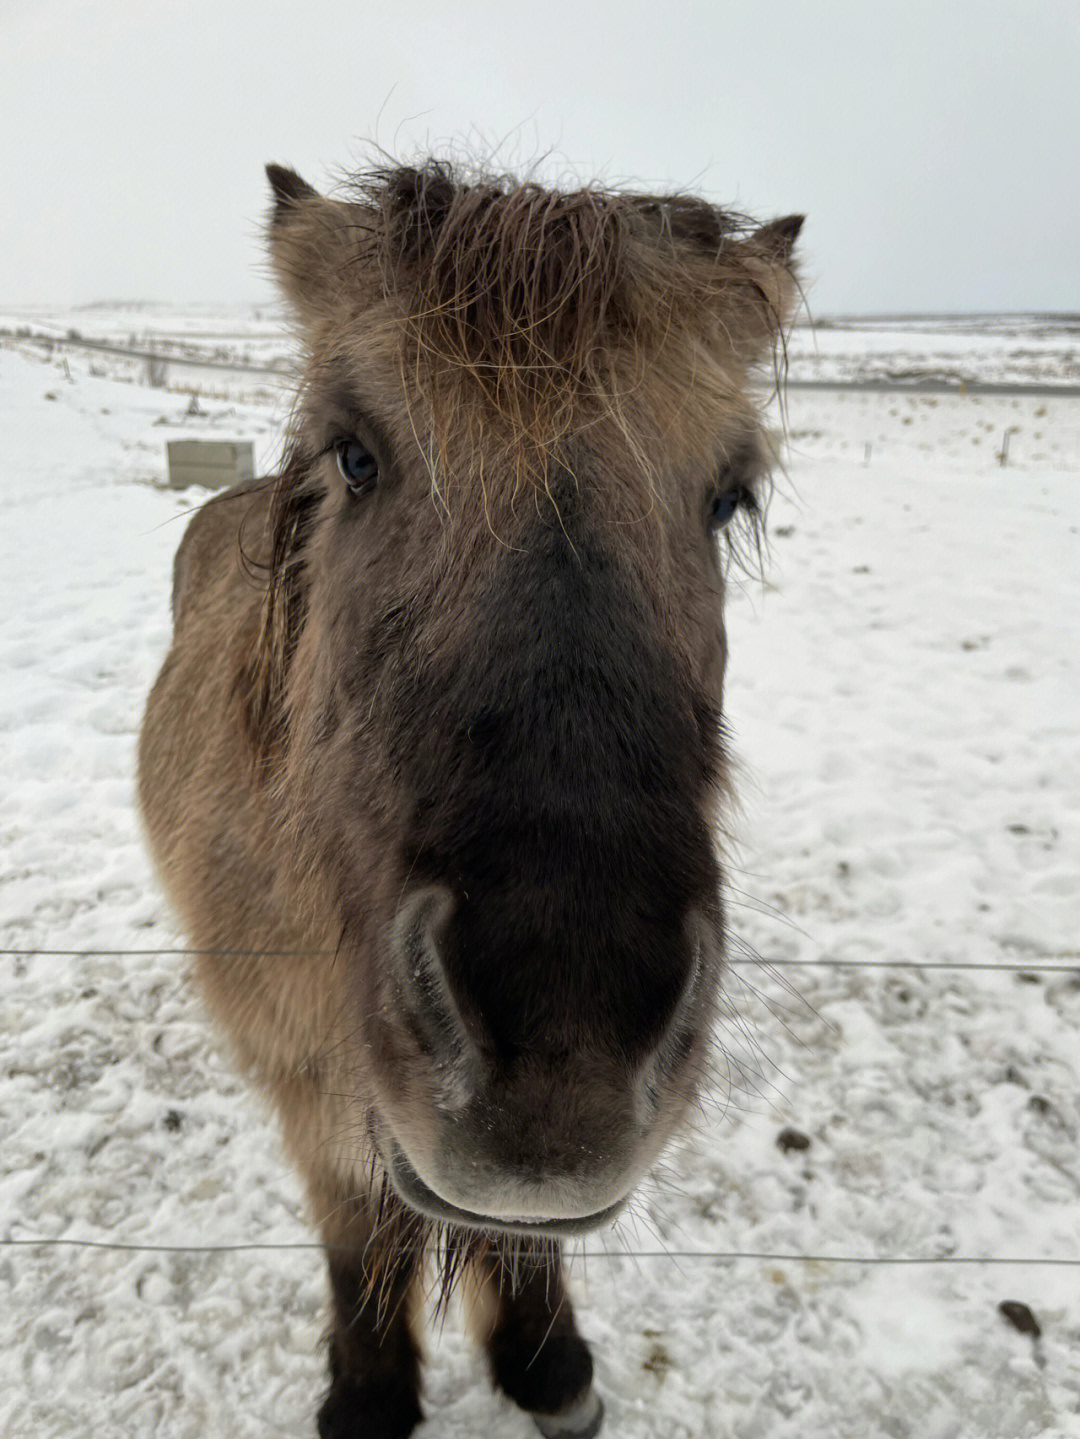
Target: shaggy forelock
pixel 533 297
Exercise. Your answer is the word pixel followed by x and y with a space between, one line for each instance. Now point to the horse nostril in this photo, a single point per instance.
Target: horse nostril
pixel 428 1000
pixel 683 1024
pixel 420 921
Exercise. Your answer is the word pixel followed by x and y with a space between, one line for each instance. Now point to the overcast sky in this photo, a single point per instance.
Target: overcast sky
pixel 935 147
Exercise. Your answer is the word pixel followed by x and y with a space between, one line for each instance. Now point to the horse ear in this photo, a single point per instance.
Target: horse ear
pixel 309 239
pixel 776 240
pixel 768 295
pixel 289 189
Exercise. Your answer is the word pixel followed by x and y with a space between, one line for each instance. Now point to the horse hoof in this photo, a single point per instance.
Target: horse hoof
pixel 581 1420
pixel 368 1411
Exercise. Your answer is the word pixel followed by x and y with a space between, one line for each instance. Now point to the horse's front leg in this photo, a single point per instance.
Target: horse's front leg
pixel 373 1256
pixel 523 1316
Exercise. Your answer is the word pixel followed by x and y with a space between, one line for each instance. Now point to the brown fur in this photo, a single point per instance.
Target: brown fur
pixel 554 385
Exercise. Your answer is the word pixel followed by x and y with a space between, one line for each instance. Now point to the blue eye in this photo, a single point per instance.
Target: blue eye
pixel 359 468
pixel 726 504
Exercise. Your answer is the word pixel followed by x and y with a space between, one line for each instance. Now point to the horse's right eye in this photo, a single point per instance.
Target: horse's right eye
pixel 359 468
pixel 726 505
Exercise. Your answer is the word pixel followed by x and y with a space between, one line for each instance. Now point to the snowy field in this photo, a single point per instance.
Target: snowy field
pixel 904 690
pixel 959 349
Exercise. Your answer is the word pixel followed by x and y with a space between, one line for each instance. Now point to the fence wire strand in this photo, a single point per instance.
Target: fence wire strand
pixel 1068 962
pixel 778 1257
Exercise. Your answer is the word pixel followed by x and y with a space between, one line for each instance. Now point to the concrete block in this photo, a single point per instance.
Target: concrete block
pixel 213 464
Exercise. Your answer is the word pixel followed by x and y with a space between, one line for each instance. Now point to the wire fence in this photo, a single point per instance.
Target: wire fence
pixel 621 1251
pixel 1067 961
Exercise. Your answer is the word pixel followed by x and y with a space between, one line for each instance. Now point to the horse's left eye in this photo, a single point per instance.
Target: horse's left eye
pixel 725 506
pixel 359 468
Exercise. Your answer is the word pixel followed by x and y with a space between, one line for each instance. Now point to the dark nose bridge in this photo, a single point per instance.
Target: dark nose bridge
pixel 559 763
pixel 567 668
pixel 559 718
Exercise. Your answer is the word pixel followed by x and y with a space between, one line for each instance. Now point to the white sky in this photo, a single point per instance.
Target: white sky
pixel 935 147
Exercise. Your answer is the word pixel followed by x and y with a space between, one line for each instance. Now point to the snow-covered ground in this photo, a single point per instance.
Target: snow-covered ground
pixel 958 349
pixel 904 691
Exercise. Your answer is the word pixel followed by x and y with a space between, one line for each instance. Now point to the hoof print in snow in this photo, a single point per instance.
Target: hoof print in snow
pixel 1020 1317
pixel 789 1139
